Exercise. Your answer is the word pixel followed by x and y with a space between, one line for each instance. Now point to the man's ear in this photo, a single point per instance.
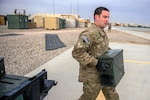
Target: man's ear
pixel 96 17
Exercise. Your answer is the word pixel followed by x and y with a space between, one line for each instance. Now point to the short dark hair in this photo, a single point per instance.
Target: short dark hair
pixel 98 10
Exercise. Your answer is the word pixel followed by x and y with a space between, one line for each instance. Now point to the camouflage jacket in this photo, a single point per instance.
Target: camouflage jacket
pixel 91 43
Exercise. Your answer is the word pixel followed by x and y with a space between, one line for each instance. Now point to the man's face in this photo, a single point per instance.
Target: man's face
pixel 102 19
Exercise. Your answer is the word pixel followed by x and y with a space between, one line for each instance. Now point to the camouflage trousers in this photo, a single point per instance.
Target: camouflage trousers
pixel 110 93
pixel 91 91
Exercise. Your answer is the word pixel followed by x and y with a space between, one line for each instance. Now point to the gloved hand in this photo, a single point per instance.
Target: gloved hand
pixel 101 66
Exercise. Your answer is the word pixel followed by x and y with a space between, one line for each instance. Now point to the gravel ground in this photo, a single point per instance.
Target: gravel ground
pixel 24 51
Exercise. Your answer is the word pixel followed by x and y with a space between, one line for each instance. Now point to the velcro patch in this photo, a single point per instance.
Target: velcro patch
pixel 85 39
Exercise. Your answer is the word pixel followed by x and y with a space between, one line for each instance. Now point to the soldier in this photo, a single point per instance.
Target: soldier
pixel 92 43
pixel 109 27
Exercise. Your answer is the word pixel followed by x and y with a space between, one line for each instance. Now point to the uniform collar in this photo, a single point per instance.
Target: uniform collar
pixel 101 31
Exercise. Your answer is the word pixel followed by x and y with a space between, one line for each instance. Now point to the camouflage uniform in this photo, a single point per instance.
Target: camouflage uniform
pixel 92 43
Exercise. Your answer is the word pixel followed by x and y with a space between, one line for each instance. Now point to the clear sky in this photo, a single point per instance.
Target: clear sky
pixel 124 11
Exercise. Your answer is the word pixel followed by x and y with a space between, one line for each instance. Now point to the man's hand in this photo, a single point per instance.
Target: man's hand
pixel 102 66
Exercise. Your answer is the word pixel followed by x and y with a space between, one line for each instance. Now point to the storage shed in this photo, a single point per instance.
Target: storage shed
pixel 51 23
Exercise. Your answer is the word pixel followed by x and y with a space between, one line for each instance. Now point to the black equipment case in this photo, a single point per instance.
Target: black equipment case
pixel 14 87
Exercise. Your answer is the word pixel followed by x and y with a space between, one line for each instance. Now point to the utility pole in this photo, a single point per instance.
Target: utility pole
pixel 53 7
pixel 71 8
pixel 78 7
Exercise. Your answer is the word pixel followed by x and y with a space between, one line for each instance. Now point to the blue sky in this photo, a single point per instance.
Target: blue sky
pixel 124 11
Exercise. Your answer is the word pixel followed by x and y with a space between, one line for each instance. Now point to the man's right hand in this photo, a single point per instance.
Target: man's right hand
pixel 102 66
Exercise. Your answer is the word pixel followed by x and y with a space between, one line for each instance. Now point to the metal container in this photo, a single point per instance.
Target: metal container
pixel 17 21
pixel 39 20
pixel 114 59
pixel 51 23
pixel 25 18
pixel 81 24
pixel 62 23
pixel 71 23
pixel 89 24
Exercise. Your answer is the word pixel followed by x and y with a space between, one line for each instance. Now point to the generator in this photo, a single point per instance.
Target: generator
pixel 15 87
pixel 113 60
